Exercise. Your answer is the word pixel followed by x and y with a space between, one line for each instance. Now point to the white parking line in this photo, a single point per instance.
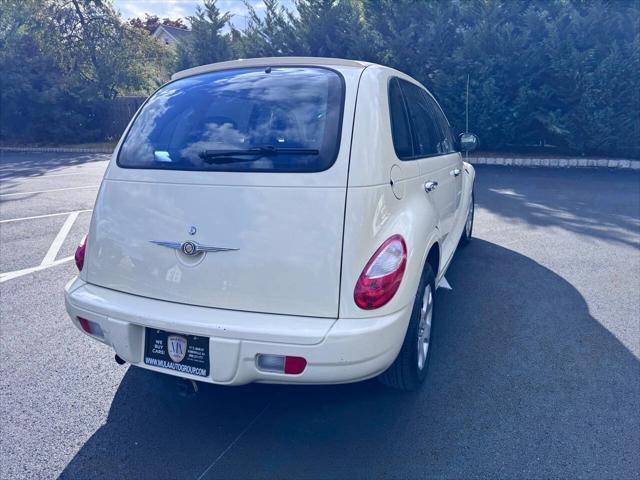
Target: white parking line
pixel 19 273
pixel 50 257
pixel 9 220
pixel 47 191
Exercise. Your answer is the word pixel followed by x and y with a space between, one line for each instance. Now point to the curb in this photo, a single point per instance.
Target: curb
pixel 558 162
pixel 507 162
pixel 56 150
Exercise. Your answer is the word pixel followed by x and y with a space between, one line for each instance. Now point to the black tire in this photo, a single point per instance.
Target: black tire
pixel 467 231
pixel 405 373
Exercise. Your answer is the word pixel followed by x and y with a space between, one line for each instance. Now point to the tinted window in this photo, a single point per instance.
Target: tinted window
pixel 445 138
pixel 286 120
pixel 400 129
pixel 426 134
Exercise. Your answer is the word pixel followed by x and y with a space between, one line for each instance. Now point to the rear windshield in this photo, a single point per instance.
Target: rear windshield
pixel 285 119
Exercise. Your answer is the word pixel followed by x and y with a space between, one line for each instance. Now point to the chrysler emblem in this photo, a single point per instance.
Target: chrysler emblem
pixel 189 248
pixel 176 347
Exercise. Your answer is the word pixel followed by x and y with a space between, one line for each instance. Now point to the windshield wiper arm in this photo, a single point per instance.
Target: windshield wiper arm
pixel 226 156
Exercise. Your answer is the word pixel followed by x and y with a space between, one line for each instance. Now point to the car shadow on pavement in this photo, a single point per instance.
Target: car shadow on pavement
pixel 523 383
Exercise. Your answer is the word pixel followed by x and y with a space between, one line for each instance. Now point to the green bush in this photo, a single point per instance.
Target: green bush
pixel 561 73
pixel 62 62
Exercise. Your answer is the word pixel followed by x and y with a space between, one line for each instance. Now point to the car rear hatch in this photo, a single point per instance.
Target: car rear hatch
pixel 229 191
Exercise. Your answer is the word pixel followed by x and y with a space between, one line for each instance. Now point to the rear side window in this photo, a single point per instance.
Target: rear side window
pixel 425 131
pixel 445 137
pixel 285 119
pixel 400 128
pixel 419 127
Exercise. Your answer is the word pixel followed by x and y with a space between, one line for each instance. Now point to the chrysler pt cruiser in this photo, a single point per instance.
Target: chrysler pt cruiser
pixel 279 220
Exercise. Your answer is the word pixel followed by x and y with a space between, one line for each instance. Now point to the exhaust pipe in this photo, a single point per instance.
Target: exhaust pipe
pixel 118 360
pixel 187 388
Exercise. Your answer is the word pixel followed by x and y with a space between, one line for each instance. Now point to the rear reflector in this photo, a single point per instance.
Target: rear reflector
pixel 280 364
pixel 294 365
pixel 92 328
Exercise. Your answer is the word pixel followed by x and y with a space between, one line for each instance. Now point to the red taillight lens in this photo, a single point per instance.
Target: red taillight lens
pixel 381 277
pixel 80 253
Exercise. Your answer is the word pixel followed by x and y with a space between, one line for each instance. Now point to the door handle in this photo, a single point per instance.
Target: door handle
pixel 430 186
pixel 455 172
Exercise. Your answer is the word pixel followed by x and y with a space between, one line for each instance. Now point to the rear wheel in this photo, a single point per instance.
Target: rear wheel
pixel 468 224
pixel 409 369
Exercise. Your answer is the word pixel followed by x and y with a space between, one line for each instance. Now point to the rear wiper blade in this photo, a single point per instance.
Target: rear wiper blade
pixel 226 156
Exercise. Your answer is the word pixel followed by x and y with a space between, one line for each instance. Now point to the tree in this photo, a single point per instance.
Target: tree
pixel 271 36
pixel 207 42
pixel 328 28
pixel 62 61
pixel 543 72
pixel 108 54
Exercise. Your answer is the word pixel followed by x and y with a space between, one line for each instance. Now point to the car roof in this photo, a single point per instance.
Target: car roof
pixel 270 61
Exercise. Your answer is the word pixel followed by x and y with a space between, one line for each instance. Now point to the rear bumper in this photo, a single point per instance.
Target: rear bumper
pixel 337 351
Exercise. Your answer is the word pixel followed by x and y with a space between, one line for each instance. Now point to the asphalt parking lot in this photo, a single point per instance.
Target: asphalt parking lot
pixel 535 371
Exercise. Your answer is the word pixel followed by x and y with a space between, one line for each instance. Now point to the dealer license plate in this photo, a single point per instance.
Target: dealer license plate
pixel 175 351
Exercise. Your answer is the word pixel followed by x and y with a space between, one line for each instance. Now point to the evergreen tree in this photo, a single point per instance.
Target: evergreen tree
pixel 271 36
pixel 543 72
pixel 208 43
pixel 328 28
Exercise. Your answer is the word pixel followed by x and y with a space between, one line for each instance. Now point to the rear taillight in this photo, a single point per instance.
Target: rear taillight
pixel 381 277
pixel 80 253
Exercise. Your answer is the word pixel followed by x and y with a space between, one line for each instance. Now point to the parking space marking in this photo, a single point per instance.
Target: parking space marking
pixel 50 257
pixel 9 220
pixel 19 273
pixel 47 191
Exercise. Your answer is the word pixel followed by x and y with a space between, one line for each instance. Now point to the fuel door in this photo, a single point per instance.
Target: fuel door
pixel 395 179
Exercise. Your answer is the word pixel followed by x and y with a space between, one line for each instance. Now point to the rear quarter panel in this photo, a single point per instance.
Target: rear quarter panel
pixel 373 212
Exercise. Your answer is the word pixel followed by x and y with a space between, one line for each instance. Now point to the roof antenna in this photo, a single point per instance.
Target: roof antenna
pixel 467 107
pixel 466 129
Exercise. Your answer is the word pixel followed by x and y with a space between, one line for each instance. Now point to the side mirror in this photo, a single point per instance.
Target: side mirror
pixel 468 142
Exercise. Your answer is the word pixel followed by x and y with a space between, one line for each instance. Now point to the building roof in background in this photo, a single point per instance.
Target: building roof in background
pixel 178 34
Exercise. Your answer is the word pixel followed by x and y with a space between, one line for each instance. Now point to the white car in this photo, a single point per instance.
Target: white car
pixel 278 220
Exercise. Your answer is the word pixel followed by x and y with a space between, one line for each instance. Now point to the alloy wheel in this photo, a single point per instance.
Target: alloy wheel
pixel 424 327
